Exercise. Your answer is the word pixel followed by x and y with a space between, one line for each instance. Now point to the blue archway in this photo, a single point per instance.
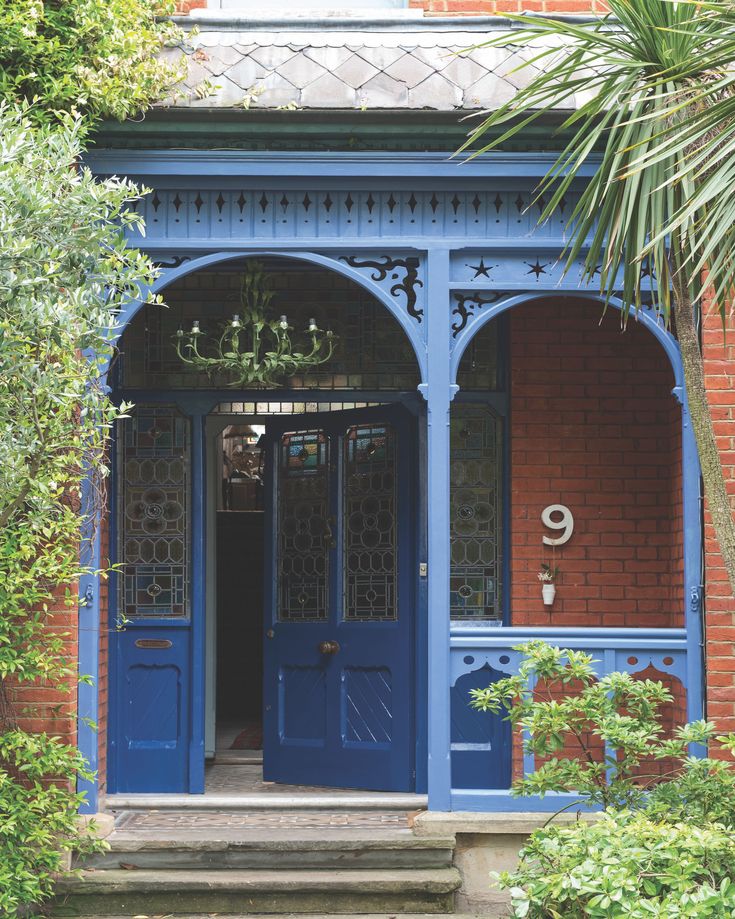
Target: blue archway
pixel 170 275
pixel 647 316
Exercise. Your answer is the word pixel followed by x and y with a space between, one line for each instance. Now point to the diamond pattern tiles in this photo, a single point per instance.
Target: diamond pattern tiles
pixel 394 68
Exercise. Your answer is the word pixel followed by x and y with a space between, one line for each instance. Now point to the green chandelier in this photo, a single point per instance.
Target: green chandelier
pixel 254 349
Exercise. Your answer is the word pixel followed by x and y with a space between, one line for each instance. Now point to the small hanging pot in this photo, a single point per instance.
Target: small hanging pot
pixel 549 592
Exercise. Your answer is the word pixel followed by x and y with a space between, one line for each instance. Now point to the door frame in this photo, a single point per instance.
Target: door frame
pixel 199 407
pixel 212 427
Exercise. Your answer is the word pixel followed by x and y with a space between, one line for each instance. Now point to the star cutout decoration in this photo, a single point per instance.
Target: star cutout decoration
pixel 481 270
pixel 538 269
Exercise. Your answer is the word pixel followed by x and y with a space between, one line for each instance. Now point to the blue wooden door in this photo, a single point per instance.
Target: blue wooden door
pixel 151 641
pixel 340 575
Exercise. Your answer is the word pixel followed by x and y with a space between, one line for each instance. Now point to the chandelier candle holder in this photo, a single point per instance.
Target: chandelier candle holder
pixel 255 349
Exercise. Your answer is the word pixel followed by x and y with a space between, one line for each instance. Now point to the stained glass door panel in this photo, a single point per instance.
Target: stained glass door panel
pixel 151 640
pixel 338 691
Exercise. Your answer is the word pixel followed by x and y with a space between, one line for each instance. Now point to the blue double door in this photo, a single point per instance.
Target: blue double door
pixel 340 579
pixel 340 576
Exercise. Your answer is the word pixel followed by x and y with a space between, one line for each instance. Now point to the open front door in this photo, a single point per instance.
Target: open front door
pixel 339 601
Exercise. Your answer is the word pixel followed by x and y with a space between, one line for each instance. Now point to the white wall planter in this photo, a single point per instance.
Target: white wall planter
pixel 549 592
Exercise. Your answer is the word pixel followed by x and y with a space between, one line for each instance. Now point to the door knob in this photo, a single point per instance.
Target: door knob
pixel 328 647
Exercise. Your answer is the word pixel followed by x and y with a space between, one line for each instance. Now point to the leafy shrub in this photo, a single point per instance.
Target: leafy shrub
pixel 625 865
pixel 614 721
pixel 665 845
pixel 37 818
pixel 95 56
pixel 65 273
pixel 702 793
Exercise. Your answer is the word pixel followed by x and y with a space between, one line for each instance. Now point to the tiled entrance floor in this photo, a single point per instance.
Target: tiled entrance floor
pixel 152 821
pixel 233 779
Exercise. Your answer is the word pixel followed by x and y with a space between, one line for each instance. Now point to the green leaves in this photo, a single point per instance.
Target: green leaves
pixel 65 274
pixel 91 56
pixel 591 735
pixel 652 92
pixel 625 865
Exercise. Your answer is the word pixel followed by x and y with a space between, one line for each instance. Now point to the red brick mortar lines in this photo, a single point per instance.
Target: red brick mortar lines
pixel 594 427
pixel 719 365
pixel 43 707
pixel 464 7
pixel 589 405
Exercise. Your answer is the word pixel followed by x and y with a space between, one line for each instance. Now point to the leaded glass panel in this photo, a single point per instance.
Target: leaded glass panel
pixel 304 531
pixel 153 519
pixel 479 368
pixel 476 513
pixel 372 352
pixel 370 523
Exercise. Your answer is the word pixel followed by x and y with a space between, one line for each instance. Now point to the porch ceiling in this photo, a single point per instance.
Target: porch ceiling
pixel 407 63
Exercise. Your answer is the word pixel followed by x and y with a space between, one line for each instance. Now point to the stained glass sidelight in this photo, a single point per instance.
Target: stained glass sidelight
pixel 153 518
pixel 476 513
pixel 304 529
pixel 370 523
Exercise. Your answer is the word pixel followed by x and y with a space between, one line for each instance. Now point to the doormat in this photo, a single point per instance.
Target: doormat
pixel 250 738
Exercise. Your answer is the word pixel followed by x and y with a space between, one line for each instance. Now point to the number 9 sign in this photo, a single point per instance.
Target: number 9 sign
pixel 566 523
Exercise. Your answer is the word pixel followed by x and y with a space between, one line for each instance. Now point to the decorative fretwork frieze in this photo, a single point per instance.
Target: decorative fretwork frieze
pixel 301 213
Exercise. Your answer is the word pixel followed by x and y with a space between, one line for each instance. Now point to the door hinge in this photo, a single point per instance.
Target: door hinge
pixel 423 569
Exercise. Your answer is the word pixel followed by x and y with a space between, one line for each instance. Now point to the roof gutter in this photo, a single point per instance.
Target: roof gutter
pixel 385 23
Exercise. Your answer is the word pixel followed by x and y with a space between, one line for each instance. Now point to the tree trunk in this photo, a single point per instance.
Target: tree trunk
pixel 713 478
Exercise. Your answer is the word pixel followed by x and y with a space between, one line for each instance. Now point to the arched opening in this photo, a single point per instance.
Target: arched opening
pixel 581 415
pixel 257 530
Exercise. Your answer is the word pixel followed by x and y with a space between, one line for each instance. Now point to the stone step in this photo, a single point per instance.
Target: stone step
pixel 269 850
pixel 237 892
pixel 310 799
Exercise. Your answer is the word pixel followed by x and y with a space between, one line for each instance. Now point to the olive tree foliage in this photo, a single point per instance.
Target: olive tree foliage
pixel 93 56
pixel 65 274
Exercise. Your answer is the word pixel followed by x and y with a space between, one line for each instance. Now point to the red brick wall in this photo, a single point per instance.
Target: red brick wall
pixel 467 7
pixel 490 7
pixel 719 354
pixel 594 426
pixel 43 707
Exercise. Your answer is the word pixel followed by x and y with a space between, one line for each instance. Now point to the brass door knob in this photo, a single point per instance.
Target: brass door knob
pixel 328 647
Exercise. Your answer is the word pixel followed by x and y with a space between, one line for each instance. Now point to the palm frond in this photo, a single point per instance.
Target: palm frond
pixel 648 93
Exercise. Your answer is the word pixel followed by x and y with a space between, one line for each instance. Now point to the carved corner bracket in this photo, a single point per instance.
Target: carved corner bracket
pixel 386 265
pixel 468 303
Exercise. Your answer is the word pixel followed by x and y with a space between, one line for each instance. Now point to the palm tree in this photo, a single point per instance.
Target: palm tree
pixel 658 77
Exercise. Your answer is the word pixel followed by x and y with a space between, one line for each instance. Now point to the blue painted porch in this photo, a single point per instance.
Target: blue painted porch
pixel 410 230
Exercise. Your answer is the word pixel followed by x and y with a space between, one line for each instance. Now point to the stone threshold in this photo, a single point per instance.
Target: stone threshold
pixel 388 801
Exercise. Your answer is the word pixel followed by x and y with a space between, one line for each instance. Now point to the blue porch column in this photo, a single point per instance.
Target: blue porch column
pixel 89 636
pixel 438 393
pixel 693 574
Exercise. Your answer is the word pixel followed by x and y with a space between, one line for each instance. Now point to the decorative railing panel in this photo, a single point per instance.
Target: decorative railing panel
pixel 480 745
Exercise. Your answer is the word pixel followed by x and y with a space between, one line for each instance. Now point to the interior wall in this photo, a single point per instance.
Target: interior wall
pixel 239 615
pixel 594 427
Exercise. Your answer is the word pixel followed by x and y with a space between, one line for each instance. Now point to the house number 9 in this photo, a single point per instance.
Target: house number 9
pixel 565 523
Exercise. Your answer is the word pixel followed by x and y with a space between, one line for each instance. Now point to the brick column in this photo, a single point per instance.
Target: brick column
pixel 719 368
